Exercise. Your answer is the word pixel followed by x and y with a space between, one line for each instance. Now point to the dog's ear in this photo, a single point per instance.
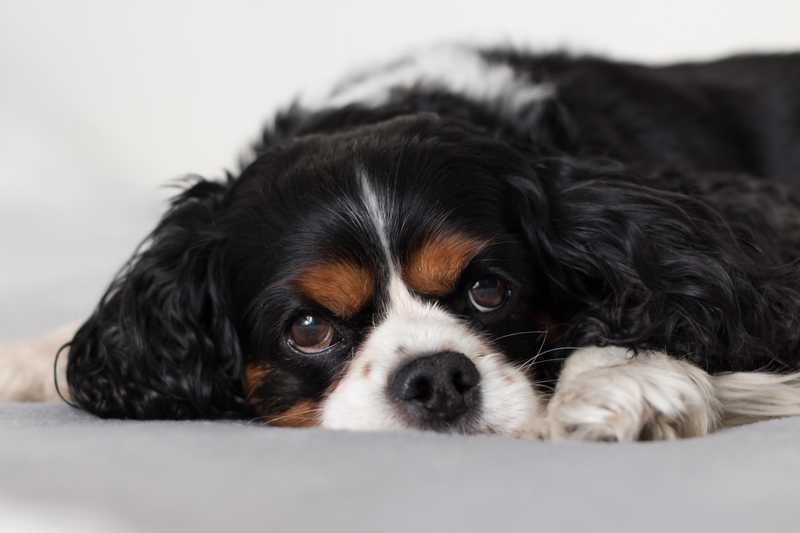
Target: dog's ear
pixel 160 343
pixel 642 266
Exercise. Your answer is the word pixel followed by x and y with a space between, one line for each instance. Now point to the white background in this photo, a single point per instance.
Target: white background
pixel 102 102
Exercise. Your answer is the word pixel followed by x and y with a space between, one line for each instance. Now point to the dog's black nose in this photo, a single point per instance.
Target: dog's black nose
pixel 436 391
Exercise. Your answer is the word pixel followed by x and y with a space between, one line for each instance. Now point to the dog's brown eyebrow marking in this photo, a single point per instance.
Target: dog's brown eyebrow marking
pixel 342 287
pixel 436 266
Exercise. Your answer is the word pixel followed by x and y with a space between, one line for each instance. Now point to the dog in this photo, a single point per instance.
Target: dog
pixel 480 240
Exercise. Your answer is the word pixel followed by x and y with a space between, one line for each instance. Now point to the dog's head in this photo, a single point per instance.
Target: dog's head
pixel 375 278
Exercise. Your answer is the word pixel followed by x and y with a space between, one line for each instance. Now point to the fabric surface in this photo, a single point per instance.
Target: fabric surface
pixel 64 470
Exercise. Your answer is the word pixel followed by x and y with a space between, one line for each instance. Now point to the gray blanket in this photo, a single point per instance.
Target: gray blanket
pixel 61 470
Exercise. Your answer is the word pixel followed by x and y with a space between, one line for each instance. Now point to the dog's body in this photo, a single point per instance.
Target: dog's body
pixel 423 247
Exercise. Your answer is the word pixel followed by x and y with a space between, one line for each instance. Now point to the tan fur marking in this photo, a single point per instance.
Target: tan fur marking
pixel 301 415
pixel 366 369
pixel 254 376
pixel 437 265
pixel 342 287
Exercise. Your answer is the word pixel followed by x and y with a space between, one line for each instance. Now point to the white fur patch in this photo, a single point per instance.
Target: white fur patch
pixel 26 367
pixel 379 211
pixel 457 69
pixel 606 394
pixel 751 396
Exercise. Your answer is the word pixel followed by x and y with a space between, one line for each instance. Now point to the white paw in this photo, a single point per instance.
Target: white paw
pixel 26 367
pixel 648 397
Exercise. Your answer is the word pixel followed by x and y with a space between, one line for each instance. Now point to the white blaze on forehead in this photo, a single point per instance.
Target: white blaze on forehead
pixel 457 69
pixel 379 212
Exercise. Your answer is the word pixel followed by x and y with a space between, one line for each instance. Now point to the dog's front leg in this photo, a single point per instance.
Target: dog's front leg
pixel 610 394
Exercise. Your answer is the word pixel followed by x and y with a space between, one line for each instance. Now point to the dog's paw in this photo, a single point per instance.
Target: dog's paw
pixel 26 367
pixel 649 397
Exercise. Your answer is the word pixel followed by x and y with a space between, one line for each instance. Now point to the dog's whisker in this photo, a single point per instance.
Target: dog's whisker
pixel 538 362
pixel 526 365
pixel 538 353
pixel 515 334
pixel 490 354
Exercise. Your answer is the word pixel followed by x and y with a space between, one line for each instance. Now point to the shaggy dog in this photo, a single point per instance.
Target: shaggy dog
pixel 480 241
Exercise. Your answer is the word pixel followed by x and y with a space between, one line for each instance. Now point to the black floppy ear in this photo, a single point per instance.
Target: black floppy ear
pixel 160 344
pixel 644 266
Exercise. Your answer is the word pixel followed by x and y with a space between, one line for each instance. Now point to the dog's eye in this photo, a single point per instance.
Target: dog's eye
pixel 311 334
pixel 488 294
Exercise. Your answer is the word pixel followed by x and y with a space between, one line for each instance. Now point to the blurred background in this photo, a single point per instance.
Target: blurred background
pixel 104 102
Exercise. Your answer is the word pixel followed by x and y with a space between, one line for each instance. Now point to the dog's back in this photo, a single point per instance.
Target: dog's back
pixel 739 114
